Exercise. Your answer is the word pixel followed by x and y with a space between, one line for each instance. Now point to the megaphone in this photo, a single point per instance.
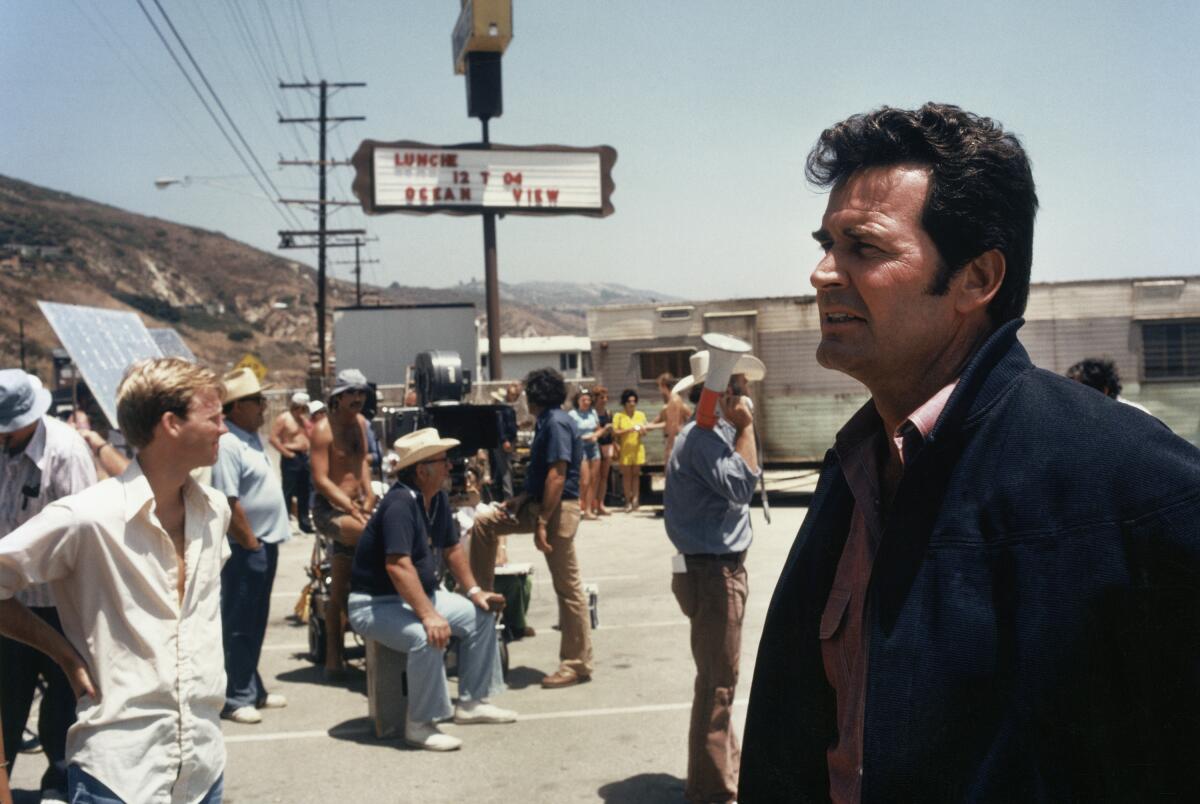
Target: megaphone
pixel 723 353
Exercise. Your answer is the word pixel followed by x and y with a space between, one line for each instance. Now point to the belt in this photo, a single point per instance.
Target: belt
pixel 732 558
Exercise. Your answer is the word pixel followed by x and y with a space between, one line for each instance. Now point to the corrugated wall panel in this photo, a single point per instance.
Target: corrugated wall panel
pixel 803 427
pixel 1057 345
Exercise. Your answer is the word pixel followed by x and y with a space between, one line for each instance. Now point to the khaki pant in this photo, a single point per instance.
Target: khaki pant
pixel 712 593
pixel 575 651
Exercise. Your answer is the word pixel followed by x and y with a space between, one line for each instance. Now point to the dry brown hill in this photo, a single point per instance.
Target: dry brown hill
pixel 224 297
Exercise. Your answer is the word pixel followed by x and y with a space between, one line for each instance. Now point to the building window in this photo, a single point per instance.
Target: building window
pixel 568 361
pixel 671 361
pixel 1171 350
pixel 681 313
pixel 587 364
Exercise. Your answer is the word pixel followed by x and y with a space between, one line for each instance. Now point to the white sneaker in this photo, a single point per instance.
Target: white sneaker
pixel 482 712
pixel 243 714
pixel 274 700
pixel 428 736
pixel 55 796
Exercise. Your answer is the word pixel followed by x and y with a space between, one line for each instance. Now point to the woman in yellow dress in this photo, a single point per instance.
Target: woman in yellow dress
pixel 629 426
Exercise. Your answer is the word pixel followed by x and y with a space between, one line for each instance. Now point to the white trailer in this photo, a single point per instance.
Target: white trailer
pixel 383 341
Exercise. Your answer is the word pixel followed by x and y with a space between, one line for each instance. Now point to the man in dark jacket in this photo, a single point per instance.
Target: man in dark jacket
pixel 994 594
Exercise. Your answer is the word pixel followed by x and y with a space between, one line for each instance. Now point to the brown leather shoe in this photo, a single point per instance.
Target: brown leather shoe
pixel 563 677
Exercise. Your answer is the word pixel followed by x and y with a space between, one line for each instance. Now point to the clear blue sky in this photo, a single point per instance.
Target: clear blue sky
pixel 710 105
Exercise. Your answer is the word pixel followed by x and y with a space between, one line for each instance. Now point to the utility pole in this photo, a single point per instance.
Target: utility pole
pixel 358 263
pixel 323 121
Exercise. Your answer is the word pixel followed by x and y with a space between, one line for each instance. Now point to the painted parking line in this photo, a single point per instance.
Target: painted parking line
pixel 314 734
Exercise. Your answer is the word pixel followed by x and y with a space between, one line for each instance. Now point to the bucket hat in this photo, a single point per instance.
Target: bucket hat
pixel 23 400
pixel 349 380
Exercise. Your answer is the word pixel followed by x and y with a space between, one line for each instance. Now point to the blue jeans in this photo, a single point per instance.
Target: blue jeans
pixel 389 620
pixel 83 788
pixel 246 581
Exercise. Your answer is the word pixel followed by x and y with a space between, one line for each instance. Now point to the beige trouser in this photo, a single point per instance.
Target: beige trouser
pixel 713 596
pixel 575 651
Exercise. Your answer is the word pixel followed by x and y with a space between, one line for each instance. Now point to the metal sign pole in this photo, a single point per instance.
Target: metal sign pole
pixel 491 280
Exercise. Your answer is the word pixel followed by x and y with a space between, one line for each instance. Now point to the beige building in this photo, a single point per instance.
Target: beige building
pixel 1149 327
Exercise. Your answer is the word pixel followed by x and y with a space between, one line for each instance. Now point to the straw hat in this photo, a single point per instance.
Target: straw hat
pixel 241 383
pixel 747 364
pixel 419 445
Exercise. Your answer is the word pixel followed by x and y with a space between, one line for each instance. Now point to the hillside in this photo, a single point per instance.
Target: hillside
pixel 224 297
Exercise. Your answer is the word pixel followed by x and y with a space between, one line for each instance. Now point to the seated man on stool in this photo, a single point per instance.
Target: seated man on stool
pixel 394 597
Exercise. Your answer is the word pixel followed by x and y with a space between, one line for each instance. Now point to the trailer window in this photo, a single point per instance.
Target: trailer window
pixel 671 361
pixel 1171 350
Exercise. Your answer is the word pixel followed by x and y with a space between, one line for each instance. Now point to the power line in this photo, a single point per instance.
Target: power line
pixel 141 74
pixel 226 49
pixel 284 213
pixel 217 98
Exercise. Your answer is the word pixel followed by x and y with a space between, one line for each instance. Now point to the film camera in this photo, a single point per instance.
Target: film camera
pixel 442 386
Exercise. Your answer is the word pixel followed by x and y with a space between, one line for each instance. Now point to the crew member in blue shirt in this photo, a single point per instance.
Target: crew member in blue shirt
pixel 395 599
pixel 548 507
pixel 707 514
pixel 258 525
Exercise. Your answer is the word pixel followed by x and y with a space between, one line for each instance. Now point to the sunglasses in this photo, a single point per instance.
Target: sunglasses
pixel 443 459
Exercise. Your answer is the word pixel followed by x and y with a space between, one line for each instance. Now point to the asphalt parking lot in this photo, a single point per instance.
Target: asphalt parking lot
pixel 619 738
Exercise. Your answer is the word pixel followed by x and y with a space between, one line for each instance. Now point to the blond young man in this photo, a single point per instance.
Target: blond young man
pixel 134 564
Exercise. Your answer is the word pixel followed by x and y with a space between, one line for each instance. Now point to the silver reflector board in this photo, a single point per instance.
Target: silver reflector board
pixel 170 343
pixel 103 343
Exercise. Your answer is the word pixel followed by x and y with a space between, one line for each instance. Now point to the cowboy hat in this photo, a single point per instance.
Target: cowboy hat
pixel 747 364
pixel 419 445
pixel 23 400
pixel 241 383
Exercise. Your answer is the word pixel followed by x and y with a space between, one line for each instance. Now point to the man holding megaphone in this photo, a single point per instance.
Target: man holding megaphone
pixel 713 469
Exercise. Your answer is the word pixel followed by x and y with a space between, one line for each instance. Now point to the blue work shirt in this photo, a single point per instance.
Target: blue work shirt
pixel 401 526
pixel 554 440
pixel 243 471
pixel 706 502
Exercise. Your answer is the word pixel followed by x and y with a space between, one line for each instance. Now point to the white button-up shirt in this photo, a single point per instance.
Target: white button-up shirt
pixel 55 463
pixel 154 734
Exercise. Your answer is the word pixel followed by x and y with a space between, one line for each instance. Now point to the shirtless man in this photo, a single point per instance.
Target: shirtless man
pixel 289 435
pixel 673 416
pixel 341 474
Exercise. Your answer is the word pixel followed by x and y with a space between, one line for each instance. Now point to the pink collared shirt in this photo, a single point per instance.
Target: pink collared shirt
pixel 844 638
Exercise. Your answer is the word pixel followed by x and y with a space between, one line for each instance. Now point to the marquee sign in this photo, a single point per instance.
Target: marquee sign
pixel 472 179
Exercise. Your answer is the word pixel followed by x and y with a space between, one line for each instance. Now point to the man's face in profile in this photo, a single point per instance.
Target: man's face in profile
pixel 879 323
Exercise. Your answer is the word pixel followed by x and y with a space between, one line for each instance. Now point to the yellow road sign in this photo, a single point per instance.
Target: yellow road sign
pixel 254 364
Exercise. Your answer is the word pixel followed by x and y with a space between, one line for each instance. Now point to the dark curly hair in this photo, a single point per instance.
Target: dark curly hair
pixel 628 394
pixel 545 388
pixel 1097 373
pixel 981 192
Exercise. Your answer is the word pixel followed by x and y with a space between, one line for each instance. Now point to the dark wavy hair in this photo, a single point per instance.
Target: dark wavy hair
pixel 981 192
pixel 628 394
pixel 545 388
pixel 1097 373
